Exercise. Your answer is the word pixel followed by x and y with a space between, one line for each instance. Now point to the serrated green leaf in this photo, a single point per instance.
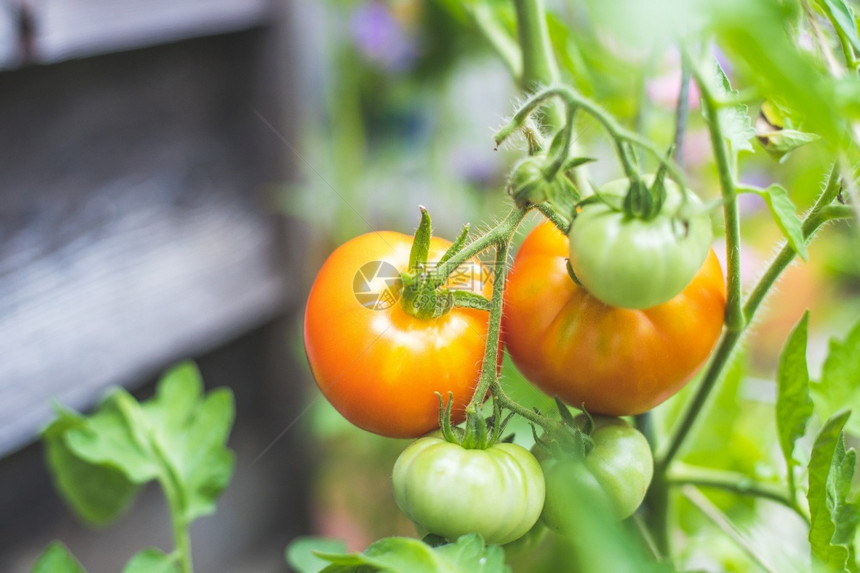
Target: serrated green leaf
pixel 793 403
pixel 110 438
pixel 178 437
pixel 827 472
pixel 97 493
pixel 844 513
pixel 734 119
pixel 301 553
pixel 469 553
pixel 840 379
pixel 191 434
pixel 150 560
pixel 402 554
pixel 842 18
pixel 57 559
pixel 779 143
pixel 786 218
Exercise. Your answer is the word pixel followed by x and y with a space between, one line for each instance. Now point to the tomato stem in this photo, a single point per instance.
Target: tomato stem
pixel 821 213
pixel 539 66
pixel 619 134
pixel 494 32
pixel 735 320
pixel 735 482
pixel 489 368
pixel 499 234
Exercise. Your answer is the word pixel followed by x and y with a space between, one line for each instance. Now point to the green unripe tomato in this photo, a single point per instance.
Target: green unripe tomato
pixel 448 490
pixel 614 476
pixel 635 263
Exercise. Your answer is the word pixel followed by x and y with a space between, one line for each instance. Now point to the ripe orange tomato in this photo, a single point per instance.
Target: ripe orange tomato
pixel 378 365
pixel 616 361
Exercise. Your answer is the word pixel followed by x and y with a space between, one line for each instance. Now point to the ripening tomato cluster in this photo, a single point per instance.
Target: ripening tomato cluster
pixel 614 319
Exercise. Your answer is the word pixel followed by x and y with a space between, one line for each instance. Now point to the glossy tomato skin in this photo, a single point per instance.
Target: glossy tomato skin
pixel 448 490
pixel 614 476
pixel 380 366
pixel 613 360
pixel 634 263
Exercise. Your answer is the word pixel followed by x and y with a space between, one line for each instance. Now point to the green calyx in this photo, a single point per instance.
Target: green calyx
pixel 478 433
pixel 570 439
pixel 423 294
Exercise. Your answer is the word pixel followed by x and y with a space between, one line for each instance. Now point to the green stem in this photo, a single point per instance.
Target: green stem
pixel 681 110
pixel 576 100
pixel 734 314
pixel 539 66
pixel 719 519
pixel 171 485
pixel 655 512
pixel 489 368
pixel 847 48
pixel 181 535
pixel 499 234
pixel 820 214
pixel 549 424
pixel 560 221
pixel 657 496
pixel 682 474
pixel 497 36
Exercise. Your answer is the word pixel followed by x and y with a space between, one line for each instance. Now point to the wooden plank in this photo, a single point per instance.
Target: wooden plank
pixel 132 232
pixel 77 28
pixel 158 285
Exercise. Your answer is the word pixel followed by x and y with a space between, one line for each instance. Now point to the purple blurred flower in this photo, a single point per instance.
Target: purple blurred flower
pixel 381 37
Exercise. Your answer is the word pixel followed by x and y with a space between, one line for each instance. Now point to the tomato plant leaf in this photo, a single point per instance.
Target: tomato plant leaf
pixel 97 493
pixel 735 121
pixel 57 559
pixel 793 403
pixel 785 214
pixel 842 18
pixel 109 437
pixel 468 554
pixel 840 379
pixel 302 552
pixel 178 438
pixel 780 142
pixel 190 432
pixel 833 519
pixel 150 560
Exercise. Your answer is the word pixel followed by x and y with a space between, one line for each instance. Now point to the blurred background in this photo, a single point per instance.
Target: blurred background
pixel 172 176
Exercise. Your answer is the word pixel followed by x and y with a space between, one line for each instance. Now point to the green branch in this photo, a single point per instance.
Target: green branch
pixel 499 234
pixel 719 519
pixel 498 38
pixel 819 215
pixel 734 315
pixel 539 66
pixel 489 367
pixel 618 133
pixel 682 474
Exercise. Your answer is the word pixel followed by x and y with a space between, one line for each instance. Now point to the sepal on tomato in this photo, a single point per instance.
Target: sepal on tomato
pixel 478 433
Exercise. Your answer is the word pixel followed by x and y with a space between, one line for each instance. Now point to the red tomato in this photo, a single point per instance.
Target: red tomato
pixel 616 361
pixel 378 365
